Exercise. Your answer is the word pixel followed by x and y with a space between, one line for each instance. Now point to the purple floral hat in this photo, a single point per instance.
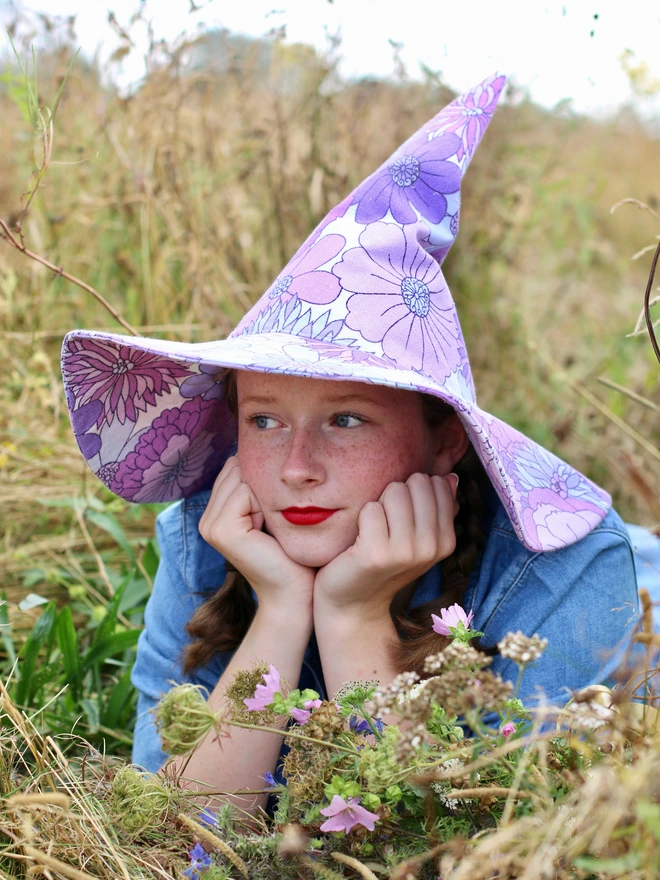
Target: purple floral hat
pixel 363 299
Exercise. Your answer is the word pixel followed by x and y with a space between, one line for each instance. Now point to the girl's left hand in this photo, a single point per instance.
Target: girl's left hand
pixel 400 537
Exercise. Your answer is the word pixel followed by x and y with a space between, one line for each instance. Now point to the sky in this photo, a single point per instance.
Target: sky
pixel 557 49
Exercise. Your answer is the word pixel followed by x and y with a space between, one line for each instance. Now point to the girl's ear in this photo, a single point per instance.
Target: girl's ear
pixel 451 443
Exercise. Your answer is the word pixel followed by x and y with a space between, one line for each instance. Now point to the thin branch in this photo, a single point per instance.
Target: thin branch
pixel 647 309
pixel 10 238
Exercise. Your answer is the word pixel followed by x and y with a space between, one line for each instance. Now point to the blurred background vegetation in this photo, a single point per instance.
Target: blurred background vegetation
pixel 181 202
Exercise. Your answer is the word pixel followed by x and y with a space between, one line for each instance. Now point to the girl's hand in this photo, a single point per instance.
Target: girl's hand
pixel 232 524
pixel 400 536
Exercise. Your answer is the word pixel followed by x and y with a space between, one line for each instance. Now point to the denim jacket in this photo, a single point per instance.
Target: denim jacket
pixel 582 598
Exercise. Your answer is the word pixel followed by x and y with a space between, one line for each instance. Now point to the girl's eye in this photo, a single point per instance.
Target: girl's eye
pixel 261 422
pixel 346 420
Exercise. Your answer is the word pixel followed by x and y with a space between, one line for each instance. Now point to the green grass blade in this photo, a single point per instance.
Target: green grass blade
pixel 119 703
pixel 56 103
pixel 110 524
pixel 67 640
pixel 114 644
pixel 29 655
pixel 5 633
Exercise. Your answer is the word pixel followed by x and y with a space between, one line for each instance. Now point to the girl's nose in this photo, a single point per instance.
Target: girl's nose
pixel 303 465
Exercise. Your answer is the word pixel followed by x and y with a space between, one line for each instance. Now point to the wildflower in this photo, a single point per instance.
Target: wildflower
pixel 302 715
pixel 385 698
pixel 199 861
pixel 345 815
pixel 208 817
pixel 269 779
pixel 507 729
pixel 364 726
pixel 449 619
pixel 264 693
pixel 522 649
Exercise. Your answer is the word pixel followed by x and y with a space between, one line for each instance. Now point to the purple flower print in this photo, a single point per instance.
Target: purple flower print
pixel 175 456
pixel 290 317
pixel 401 300
pixel 468 115
pixel 108 472
pixel 124 379
pixel 303 278
pixel 535 468
pixel 416 178
pixel 82 420
pixel 207 384
pixel 552 522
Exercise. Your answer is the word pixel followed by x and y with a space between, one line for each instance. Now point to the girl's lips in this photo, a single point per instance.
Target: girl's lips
pixel 306 516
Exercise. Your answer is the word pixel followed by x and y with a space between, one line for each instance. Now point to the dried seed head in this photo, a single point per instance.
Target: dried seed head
pixel 183 718
pixel 457 655
pixel 522 649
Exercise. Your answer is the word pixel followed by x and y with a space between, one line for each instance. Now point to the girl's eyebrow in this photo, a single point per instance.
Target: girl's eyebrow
pixel 263 399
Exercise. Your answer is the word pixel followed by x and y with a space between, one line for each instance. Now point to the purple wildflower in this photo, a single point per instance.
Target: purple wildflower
pixel 415 180
pixel 450 618
pixel 363 726
pixel 208 817
pixel 345 815
pixel 199 862
pixel 264 693
pixel 269 779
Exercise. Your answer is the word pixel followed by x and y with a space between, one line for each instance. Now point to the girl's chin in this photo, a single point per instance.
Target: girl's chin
pixel 313 552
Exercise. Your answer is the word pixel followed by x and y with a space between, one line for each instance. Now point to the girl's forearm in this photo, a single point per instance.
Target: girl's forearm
pixel 354 645
pixel 279 637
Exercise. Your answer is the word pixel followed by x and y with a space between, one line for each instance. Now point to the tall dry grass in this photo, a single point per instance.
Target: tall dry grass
pixel 182 202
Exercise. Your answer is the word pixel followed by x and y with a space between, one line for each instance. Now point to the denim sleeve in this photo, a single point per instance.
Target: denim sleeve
pixel 583 599
pixel 171 605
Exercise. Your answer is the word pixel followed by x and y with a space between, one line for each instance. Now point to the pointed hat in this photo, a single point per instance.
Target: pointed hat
pixel 363 299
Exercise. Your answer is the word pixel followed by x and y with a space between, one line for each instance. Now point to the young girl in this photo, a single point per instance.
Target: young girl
pixel 367 489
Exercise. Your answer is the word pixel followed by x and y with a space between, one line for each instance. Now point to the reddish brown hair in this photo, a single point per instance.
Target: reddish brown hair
pixel 221 623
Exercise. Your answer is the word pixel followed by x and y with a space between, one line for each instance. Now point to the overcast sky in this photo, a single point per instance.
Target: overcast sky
pixel 557 48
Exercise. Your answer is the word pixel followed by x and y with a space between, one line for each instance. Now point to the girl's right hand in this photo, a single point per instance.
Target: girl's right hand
pixel 232 524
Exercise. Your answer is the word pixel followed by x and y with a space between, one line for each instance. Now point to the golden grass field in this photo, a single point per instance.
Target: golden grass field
pixel 180 204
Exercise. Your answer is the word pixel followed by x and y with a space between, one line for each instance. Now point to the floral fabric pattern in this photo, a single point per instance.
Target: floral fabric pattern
pixel 124 380
pixel 468 116
pixel 401 300
pixel 175 456
pixel 416 179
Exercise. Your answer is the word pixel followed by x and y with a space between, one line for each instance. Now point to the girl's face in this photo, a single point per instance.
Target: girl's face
pixel 333 445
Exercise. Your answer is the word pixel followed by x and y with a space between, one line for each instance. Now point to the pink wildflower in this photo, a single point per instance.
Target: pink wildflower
pixel 507 729
pixel 344 816
pixel 451 617
pixel 302 715
pixel 265 693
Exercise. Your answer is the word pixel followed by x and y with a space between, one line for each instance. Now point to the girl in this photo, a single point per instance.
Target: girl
pixel 367 489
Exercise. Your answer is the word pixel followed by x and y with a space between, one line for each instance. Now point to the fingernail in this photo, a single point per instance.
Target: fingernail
pixel 452 474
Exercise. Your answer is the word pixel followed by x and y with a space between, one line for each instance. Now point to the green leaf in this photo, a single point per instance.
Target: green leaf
pixel 136 591
pixel 67 640
pixel 110 524
pixel 29 654
pixel 91 711
pixel 5 634
pixel 107 625
pixel 151 559
pixel 119 700
pixel 114 644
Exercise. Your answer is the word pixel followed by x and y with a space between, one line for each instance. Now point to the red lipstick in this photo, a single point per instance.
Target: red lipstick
pixel 307 516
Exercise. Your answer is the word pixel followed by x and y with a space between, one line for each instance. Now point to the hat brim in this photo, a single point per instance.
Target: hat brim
pixel 150 419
